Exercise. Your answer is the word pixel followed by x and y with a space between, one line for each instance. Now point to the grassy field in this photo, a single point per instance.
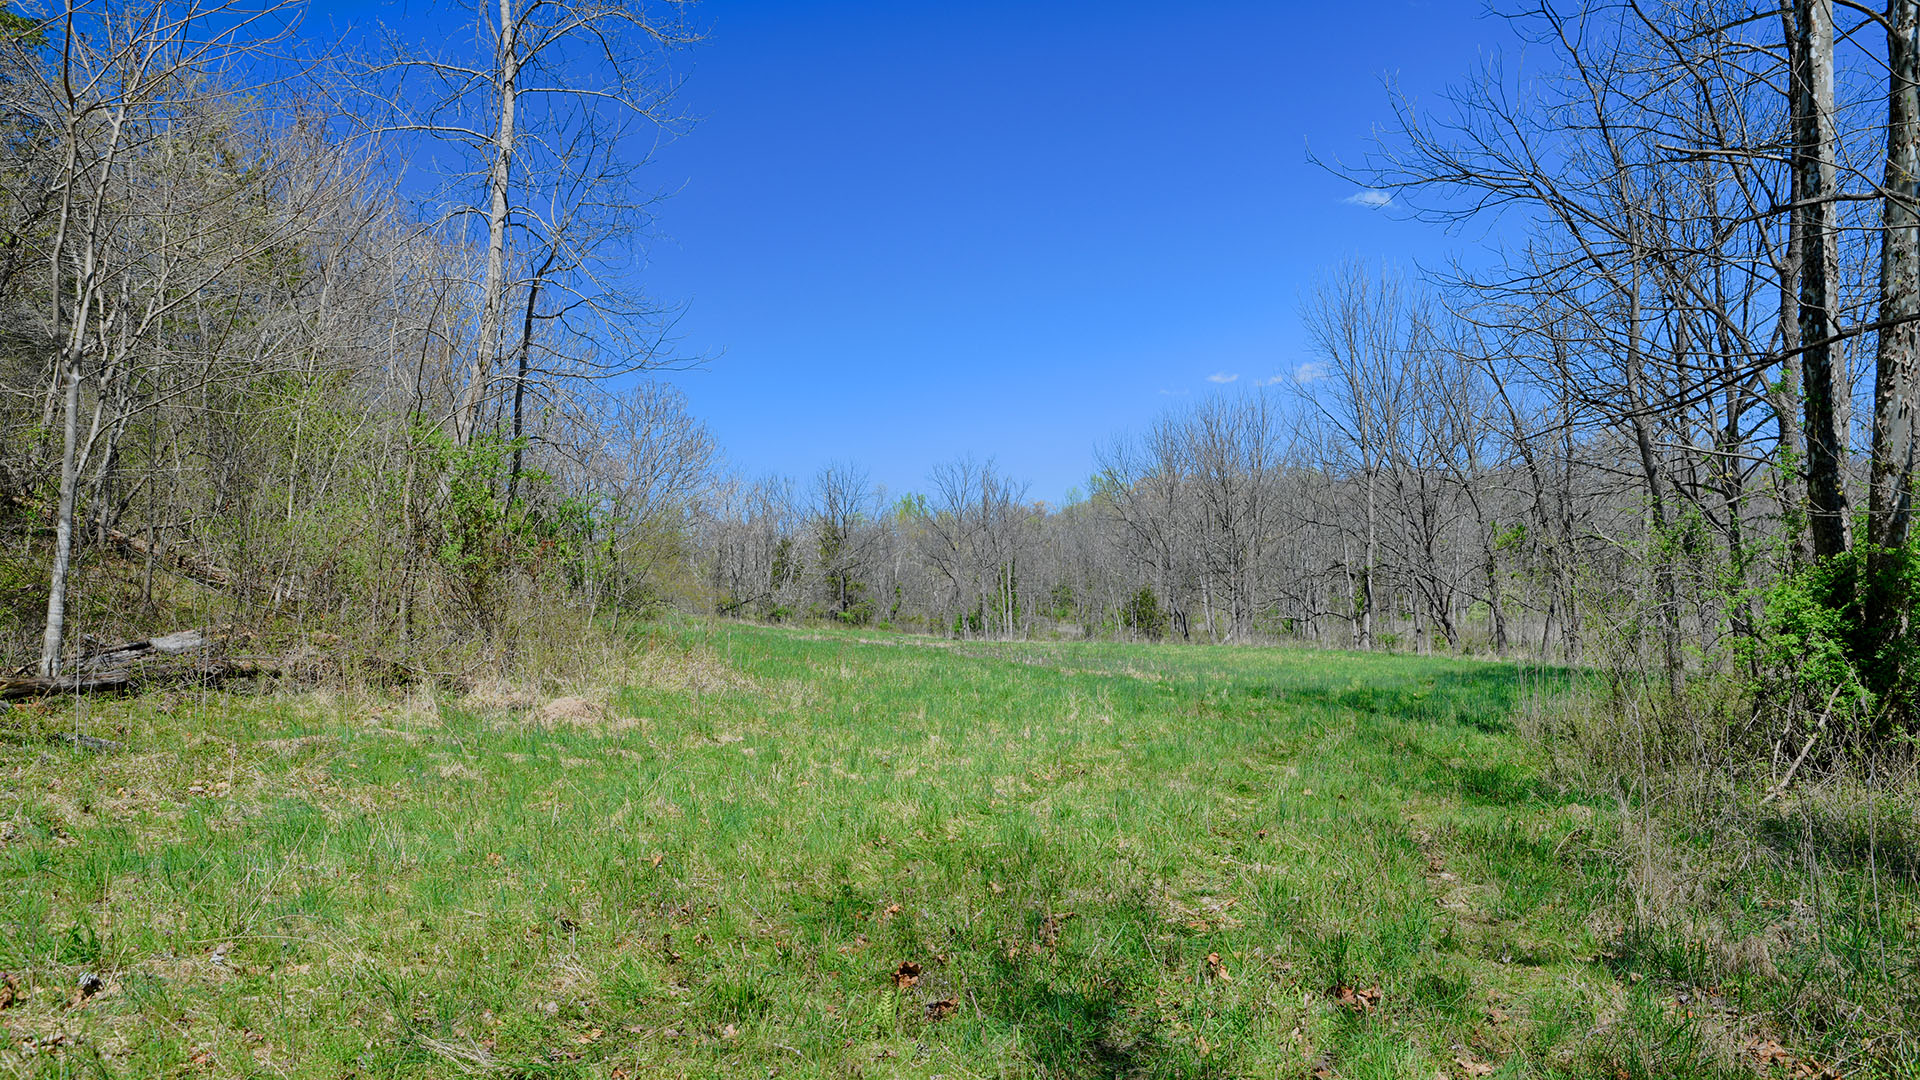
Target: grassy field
pixel 809 854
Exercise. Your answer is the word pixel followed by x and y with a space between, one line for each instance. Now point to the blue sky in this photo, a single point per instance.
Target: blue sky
pixel 904 230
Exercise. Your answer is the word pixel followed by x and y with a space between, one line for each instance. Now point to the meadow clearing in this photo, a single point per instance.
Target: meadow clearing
pixel 807 853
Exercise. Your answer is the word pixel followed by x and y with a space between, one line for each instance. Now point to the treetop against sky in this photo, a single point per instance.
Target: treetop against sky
pixel 904 232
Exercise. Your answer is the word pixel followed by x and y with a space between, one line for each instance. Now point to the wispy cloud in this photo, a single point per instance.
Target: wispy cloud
pixel 1309 372
pixel 1222 377
pixel 1371 198
pixel 1271 380
pixel 1173 393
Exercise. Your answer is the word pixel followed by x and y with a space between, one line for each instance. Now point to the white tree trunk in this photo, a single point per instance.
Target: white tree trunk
pixel 63 538
pixel 499 180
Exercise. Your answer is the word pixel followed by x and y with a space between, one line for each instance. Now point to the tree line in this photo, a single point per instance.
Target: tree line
pixel 1667 421
pixel 260 354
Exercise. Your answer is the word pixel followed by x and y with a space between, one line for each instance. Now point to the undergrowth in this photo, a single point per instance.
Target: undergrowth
pixel 1788 882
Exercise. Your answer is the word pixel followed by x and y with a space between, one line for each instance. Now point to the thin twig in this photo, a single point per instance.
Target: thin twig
pixel 1781 787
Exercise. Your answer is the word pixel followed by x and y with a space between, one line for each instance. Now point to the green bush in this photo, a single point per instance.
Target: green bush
pixel 1143 615
pixel 1833 649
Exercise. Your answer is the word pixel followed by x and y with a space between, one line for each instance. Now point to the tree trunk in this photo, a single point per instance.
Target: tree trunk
pixel 1890 494
pixel 520 384
pixel 1785 393
pixel 1888 604
pixel 1818 264
pixel 499 181
pixel 1371 555
pixel 55 638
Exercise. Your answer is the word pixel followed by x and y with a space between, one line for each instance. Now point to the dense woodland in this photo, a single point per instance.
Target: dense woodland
pixel 264 369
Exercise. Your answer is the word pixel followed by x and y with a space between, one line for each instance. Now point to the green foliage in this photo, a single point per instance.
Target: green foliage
pixel 786 566
pixel 1804 652
pixel 969 623
pixel 912 507
pixel 1143 615
pixel 1060 602
pixel 859 608
pixel 1270 621
pixel 1834 638
pixel 481 537
pixel 21 30
pixel 1513 538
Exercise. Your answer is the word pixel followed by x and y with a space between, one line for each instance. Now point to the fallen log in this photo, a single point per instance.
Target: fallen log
pixel 112 670
pixel 185 564
pixel 125 681
pixel 17 687
pixel 118 656
pixel 182 563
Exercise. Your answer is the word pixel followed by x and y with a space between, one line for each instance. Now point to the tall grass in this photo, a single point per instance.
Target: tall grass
pixel 1794 893
pixel 823 854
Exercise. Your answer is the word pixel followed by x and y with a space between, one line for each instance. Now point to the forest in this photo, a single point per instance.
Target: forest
pixel 1668 429
pixel 327 366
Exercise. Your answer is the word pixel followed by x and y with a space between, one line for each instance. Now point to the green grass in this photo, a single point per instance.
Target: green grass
pixel 1150 861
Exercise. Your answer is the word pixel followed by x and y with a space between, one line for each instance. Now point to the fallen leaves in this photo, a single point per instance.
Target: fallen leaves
pixel 906 975
pixel 1470 1067
pixel 940 1010
pixel 1767 1052
pixel 1217 969
pixel 1360 1001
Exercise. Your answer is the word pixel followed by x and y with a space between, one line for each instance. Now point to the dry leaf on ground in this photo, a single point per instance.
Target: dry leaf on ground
pixel 1216 968
pixel 1358 1000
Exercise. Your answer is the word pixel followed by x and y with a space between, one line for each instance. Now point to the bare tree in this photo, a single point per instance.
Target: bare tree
pixel 550 109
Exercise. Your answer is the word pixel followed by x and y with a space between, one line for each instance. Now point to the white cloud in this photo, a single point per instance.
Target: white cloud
pixel 1173 393
pixel 1271 380
pixel 1222 377
pixel 1309 372
pixel 1371 198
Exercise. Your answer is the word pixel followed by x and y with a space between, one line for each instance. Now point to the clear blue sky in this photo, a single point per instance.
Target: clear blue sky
pixel 905 231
